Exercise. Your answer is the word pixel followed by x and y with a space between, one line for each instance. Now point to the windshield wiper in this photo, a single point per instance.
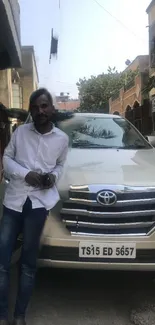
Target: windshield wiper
pixel 135 146
pixel 85 145
pixel 91 145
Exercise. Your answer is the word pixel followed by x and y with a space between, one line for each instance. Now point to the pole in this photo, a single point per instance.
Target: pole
pixel 51 46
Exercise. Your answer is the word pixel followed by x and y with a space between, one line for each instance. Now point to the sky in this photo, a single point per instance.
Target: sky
pixel 93 34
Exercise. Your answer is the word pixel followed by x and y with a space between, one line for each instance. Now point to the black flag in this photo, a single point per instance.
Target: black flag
pixel 54 46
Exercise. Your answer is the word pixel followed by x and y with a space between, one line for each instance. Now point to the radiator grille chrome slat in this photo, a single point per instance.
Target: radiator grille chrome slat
pixel 86 234
pixel 118 204
pixel 132 215
pixel 82 212
pixel 108 225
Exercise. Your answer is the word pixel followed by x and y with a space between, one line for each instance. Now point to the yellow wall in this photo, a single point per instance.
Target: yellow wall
pixel 27 83
pixel 6 88
pixel 28 88
pixel 28 74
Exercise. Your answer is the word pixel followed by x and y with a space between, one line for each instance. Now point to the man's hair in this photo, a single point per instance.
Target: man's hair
pixel 39 92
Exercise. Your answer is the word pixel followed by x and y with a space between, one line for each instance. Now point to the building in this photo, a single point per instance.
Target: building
pixel 28 80
pixel 70 105
pixel 18 70
pixel 131 94
pixel 10 47
pixel 10 57
pixel 63 102
pixel 10 43
pixel 131 101
pixel 17 84
pixel 151 19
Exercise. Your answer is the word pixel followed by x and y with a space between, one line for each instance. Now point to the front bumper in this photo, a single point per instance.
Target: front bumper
pixel 58 254
pixel 61 249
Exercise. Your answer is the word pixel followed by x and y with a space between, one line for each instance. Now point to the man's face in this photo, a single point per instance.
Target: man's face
pixel 42 111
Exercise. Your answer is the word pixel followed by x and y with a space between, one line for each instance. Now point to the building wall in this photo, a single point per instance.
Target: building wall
pixel 28 74
pixel 15 8
pixel 10 43
pixel 27 89
pixel 35 74
pixel 16 85
pixel 17 95
pixel 68 106
pixel 151 12
pixel 151 19
pixel 141 63
pixel 6 97
pixel 127 98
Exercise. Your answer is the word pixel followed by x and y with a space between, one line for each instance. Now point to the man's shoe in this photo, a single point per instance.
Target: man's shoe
pixel 4 322
pixel 19 321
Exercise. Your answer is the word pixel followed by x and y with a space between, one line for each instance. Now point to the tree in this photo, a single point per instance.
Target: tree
pixel 95 92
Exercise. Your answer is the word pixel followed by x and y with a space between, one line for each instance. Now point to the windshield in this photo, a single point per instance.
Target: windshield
pixel 100 132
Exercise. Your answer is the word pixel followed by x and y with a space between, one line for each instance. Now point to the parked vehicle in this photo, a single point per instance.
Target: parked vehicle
pixel 106 216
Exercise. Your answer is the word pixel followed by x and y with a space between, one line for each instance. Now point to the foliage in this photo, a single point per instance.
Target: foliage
pixel 95 92
pixel 94 133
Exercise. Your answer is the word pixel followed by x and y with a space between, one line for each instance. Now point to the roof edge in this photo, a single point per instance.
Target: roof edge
pixel 31 48
pixel 150 5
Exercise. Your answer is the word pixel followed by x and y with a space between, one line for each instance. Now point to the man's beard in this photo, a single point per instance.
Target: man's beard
pixel 41 120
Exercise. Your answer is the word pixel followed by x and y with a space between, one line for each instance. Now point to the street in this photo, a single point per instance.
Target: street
pixel 65 297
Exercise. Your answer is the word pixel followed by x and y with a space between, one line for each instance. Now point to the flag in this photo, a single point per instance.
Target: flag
pixel 54 46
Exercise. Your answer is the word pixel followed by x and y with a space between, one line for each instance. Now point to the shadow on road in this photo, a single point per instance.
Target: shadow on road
pixel 69 297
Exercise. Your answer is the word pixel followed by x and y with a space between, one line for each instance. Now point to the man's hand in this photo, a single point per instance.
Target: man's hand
pixel 48 181
pixel 33 179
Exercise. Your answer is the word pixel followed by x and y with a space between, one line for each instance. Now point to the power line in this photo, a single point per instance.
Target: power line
pixel 118 20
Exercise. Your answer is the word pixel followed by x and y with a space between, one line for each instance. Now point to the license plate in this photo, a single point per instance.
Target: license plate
pixel 107 250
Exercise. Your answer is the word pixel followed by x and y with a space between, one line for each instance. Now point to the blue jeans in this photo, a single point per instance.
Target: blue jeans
pixel 30 222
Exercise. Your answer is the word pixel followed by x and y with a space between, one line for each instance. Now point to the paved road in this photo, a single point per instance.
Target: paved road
pixel 90 298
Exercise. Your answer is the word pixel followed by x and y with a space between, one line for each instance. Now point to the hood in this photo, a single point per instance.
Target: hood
pixel 110 166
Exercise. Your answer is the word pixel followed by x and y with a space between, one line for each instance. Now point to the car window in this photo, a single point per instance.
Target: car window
pixel 98 132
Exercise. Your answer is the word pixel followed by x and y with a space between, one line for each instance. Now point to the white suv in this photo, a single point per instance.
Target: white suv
pixel 106 217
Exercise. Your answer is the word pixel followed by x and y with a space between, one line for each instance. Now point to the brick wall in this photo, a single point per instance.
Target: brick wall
pixel 127 97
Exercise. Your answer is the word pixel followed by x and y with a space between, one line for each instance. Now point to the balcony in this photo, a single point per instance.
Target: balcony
pixel 10 46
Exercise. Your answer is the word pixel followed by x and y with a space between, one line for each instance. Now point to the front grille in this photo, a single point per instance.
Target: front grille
pixel 132 214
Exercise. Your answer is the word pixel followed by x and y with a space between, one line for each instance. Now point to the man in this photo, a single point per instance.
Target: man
pixel 34 161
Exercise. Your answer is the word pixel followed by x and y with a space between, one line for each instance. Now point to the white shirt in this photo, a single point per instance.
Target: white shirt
pixel 28 151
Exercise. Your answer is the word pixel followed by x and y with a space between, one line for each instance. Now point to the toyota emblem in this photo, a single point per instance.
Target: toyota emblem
pixel 107 198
